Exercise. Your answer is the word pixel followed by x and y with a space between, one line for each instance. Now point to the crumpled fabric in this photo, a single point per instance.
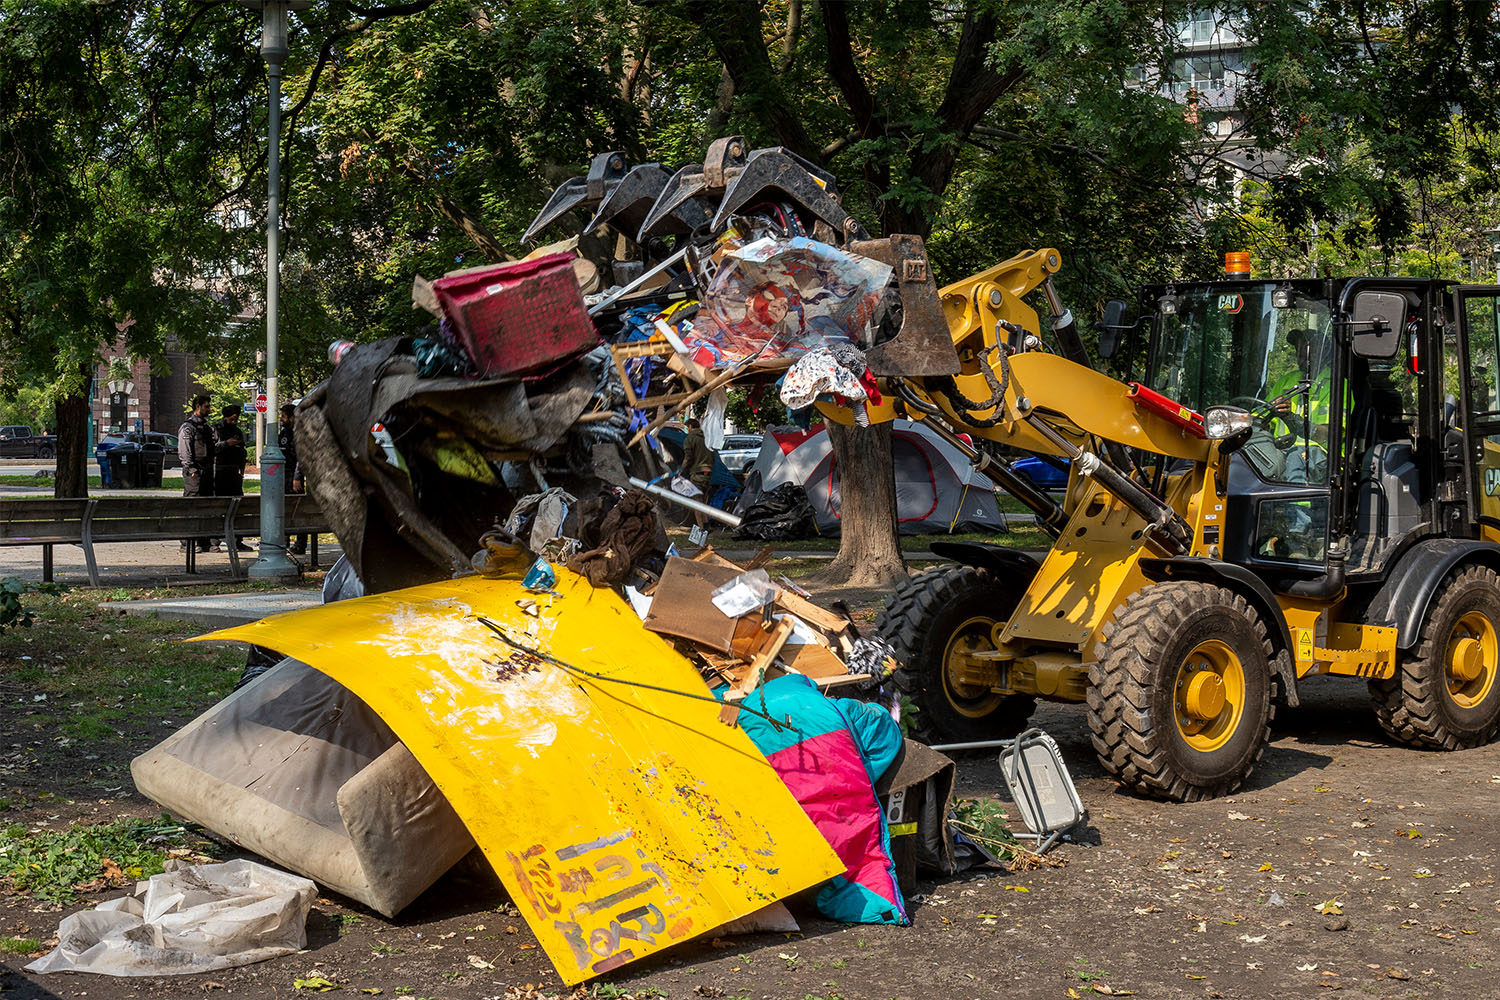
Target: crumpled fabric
pixel 713 418
pixel 816 372
pixel 543 512
pixel 626 535
pixel 873 657
pixel 196 918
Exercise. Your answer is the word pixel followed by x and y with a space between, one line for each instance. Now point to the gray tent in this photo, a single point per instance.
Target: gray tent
pixel 936 488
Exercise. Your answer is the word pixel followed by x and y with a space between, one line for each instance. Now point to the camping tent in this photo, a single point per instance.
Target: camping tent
pixel 936 488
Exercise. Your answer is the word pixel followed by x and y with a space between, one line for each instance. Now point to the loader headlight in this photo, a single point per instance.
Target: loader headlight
pixel 1223 422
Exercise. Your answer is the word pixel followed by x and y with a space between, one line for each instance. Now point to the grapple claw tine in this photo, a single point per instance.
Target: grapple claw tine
pixel 605 172
pixel 682 189
pixel 630 203
pixel 777 171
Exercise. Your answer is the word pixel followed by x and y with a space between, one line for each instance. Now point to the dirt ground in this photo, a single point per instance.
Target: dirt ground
pixel 1346 864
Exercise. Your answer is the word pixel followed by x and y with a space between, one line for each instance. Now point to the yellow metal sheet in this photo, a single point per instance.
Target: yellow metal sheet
pixel 621 819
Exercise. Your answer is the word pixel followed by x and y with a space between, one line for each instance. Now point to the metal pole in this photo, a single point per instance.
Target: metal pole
pixel 272 562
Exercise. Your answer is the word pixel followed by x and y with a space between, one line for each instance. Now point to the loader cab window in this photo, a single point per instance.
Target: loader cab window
pixel 1230 345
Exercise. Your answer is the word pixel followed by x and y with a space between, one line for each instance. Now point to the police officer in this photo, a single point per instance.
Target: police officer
pixel 195 446
pixel 229 458
pixel 286 438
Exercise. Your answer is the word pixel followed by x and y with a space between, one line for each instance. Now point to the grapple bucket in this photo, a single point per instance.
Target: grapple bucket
pixel 606 171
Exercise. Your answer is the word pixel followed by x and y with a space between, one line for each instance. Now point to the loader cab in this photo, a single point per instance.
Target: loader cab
pixel 1354 387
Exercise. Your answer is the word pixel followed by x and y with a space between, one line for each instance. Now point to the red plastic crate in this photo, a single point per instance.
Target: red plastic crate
pixel 515 318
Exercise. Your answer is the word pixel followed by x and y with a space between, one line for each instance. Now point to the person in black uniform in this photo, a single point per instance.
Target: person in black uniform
pixel 229 458
pixel 195 446
pixel 286 438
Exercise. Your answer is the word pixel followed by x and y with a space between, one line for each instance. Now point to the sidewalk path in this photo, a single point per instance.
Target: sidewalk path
pixel 132 564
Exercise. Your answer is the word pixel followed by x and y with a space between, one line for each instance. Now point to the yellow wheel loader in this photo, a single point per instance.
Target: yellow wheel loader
pixel 1303 478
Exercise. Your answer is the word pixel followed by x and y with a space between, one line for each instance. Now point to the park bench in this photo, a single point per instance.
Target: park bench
pixel 86 521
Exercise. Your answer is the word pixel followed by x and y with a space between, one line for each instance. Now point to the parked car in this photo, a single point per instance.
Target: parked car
pixel 18 441
pixel 167 441
pixel 739 451
pixel 1044 473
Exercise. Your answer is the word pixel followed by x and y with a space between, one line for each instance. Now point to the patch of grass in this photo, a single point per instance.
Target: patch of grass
pixel 1081 968
pixel 385 949
pixel 609 991
pixel 19 946
pixel 56 865
pixel 91 676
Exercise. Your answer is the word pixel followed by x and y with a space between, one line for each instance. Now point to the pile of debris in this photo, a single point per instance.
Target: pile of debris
pixel 560 370
pixel 642 745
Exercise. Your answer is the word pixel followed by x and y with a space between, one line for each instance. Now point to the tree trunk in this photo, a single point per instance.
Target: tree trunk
pixel 72 479
pixel 869 547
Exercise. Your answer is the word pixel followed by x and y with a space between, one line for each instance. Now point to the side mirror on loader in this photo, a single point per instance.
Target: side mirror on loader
pixel 1112 328
pixel 1376 324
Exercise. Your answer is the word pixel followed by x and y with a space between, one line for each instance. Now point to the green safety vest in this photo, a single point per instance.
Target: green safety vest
pixel 1315 401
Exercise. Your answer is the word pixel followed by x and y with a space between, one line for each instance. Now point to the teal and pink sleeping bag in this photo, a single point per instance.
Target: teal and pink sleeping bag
pixel 830 754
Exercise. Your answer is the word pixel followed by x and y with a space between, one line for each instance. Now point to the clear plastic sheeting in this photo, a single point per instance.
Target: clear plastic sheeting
pixel 777 298
pixel 196 918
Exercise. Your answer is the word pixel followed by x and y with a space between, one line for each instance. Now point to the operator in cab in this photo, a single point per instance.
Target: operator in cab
pixel 1300 408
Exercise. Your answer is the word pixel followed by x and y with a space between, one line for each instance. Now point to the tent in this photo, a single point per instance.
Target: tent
pixel 936 488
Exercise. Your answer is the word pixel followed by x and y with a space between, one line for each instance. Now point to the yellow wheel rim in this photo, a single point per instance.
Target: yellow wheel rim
pixel 1471 659
pixel 1208 697
pixel 972 700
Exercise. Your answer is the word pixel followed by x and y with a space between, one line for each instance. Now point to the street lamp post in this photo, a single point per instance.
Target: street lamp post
pixel 272 562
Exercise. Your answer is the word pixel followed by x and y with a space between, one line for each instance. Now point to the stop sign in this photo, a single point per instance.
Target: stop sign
pixel 260 403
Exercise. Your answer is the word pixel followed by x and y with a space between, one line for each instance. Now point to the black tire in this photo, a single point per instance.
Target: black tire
pixel 44 452
pixel 1158 638
pixel 922 617
pixel 1426 704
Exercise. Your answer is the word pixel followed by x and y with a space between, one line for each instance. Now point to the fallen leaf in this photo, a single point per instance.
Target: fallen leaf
pixel 1074 994
pixel 1143 910
pixel 1016 888
pixel 1322 788
pixel 1330 907
pixel 480 963
pixel 1189 975
pixel 528 947
pixel 1397 974
pixel 315 983
pixel 373 991
pixel 1237 815
pixel 1266 867
pixel 510 929
pixel 211 985
pixel 1253 940
pixel 1110 991
pixel 1410 834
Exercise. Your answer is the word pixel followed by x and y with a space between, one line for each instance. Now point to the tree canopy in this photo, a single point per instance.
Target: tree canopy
pixel 423 136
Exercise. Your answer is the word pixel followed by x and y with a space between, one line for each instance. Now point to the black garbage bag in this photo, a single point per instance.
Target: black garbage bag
pixel 781 515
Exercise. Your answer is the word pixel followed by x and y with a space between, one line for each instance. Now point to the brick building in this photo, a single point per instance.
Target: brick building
pixel 158 400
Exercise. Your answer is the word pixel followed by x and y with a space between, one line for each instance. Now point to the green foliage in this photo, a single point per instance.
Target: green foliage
pixel 12 613
pixel 988 823
pixel 53 864
pixel 19 946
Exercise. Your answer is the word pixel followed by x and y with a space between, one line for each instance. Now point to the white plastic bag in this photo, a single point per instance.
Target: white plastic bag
pixel 745 593
pixel 196 918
